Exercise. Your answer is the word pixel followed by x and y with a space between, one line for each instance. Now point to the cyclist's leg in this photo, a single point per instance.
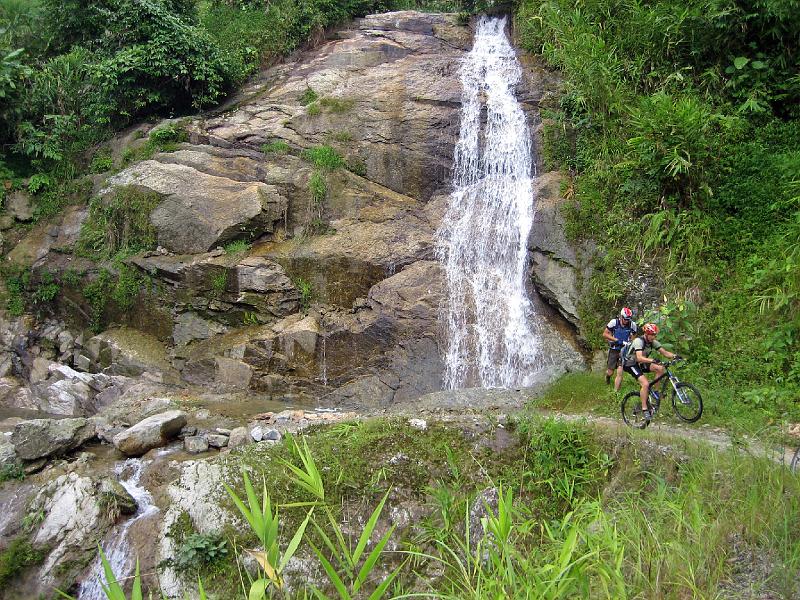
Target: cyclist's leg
pixel 645 389
pixel 618 378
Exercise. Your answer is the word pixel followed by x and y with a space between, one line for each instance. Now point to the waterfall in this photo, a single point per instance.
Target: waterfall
pixel 482 242
pixel 117 548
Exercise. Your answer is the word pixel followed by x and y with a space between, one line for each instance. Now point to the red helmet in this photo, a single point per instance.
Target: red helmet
pixel 625 313
pixel 650 328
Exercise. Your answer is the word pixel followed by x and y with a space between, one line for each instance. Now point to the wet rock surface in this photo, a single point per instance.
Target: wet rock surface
pixel 149 433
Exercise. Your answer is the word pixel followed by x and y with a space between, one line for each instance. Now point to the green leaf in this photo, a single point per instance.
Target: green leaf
pixel 368 529
pixel 758 65
pixel 294 543
pixel 332 575
pixel 740 62
pixel 258 591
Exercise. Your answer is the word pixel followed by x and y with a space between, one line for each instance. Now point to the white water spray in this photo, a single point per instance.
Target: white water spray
pixel 482 242
pixel 117 548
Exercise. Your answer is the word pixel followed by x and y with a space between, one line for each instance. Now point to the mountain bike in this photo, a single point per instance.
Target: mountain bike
pixel 686 400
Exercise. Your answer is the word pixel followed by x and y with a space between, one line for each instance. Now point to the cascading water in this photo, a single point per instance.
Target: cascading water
pixel 117 548
pixel 482 242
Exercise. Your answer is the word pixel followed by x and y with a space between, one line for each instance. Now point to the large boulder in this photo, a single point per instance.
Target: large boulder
pixel 200 211
pixel 152 432
pixel 41 438
pixel 78 511
pixel 126 351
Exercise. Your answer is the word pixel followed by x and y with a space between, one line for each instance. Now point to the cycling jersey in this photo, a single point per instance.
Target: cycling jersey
pixel 629 356
pixel 621 332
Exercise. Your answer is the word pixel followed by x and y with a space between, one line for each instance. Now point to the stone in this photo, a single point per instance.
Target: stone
pixel 129 352
pixel 216 440
pixel 152 432
pixel 485 503
pixel 187 431
pixel 232 374
pixel 196 444
pixel 219 209
pixel 222 431
pixel 418 424
pixel 42 438
pixel 239 437
pixel 257 433
pixel 8 456
pixel 272 435
pixel 190 327
pixel 18 205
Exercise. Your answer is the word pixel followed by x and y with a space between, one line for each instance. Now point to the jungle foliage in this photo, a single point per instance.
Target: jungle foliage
pixel 679 127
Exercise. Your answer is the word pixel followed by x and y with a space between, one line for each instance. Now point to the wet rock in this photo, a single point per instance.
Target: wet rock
pixel 232 374
pixel 78 511
pixel 152 432
pixel 42 438
pixel 485 503
pixel 8 456
pixel 129 352
pixel 196 444
pixel 216 440
pixel 239 437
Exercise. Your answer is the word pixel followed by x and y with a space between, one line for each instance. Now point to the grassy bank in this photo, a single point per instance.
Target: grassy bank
pixel 558 510
pixel 678 130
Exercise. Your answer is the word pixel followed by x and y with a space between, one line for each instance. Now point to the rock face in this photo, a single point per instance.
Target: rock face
pixel 334 294
pixel 152 432
pixel 41 438
pixel 559 268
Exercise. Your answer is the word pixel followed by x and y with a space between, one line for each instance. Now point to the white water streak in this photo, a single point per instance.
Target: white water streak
pixel 117 548
pixel 482 241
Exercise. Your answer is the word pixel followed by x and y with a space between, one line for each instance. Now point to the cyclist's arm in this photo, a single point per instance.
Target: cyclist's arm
pixel 641 358
pixel 667 353
pixel 608 335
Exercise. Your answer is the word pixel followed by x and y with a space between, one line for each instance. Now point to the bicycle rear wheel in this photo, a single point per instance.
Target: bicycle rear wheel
pixel 632 411
pixel 687 402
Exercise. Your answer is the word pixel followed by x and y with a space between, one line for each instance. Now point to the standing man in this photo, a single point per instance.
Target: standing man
pixel 618 332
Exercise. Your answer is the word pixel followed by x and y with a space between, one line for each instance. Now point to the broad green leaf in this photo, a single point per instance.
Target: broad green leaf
pixel 740 62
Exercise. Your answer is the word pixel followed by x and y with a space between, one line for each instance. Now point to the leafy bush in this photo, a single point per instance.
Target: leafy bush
pixel 120 224
pixel 199 551
pixel 19 555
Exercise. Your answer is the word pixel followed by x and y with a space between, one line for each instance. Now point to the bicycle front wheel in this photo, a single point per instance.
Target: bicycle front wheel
pixel 687 402
pixel 632 411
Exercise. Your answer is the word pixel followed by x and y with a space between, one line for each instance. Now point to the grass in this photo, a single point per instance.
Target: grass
pixel 324 157
pixel 237 247
pixel 16 557
pixel 577 513
pixel 337 105
pixel 275 147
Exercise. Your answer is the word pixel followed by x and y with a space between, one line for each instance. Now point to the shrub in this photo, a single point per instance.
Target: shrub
pixel 318 188
pixel 199 551
pixel 19 555
pixel 119 225
pixel 324 157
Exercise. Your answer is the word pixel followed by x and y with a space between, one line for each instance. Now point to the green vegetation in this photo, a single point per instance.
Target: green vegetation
pixel 119 225
pixel 276 147
pixel 29 290
pixel 237 247
pixel 563 511
pixel 161 139
pixel 336 105
pixel 313 109
pixel 11 472
pixel 219 282
pixel 102 161
pixel 342 136
pixel 199 551
pixel 678 127
pixel 318 188
pixel 306 293
pixel 308 96
pixel 17 556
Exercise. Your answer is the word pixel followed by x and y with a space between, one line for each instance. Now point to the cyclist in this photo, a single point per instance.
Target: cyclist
pixel 618 332
pixel 637 362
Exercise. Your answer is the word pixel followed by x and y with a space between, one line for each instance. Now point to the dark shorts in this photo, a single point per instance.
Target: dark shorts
pixel 613 358
pixel 637 369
